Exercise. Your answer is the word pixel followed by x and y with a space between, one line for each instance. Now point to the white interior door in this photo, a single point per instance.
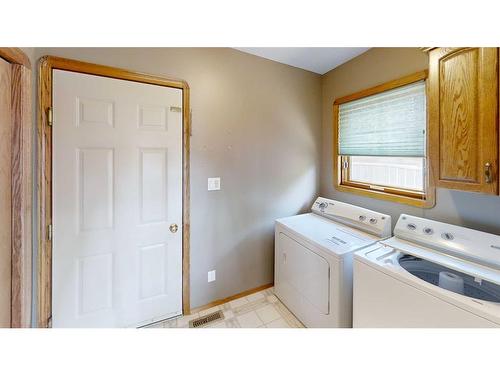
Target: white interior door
pixel 117 187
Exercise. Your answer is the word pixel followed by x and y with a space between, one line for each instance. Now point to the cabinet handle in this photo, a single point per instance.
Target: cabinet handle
pixel 487 173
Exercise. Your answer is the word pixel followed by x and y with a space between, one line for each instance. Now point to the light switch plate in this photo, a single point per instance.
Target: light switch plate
pixel 211 276
pixel 213 183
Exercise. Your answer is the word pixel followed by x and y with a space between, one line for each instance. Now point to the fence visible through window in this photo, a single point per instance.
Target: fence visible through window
pixel 400 172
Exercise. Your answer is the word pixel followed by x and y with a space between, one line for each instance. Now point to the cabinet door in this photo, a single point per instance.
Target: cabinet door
pixel 463 119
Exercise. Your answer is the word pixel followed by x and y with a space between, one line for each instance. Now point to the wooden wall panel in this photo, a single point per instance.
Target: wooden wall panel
pixel 44 184
pixel 5 192
pixel 17 173
pixel 15 56
pixel 21 197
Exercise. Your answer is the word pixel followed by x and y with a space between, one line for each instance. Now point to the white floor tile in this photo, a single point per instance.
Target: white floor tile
pixel 219 325
pixel 238 302
pixel 184 320
pixel 172 323
pixel 232 323
pixel 258 310
pixel 268 313
pixel 249 320
pixel 272 298
pixel 256 296
pixel 278 323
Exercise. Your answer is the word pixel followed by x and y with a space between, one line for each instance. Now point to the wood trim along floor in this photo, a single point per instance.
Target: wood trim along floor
pixel 21 166
pixel 44 169
pixel 231 298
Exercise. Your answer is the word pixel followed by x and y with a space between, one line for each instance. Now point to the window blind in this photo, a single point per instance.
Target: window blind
pixel 391 123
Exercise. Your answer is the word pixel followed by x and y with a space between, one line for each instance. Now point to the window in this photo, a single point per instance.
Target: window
pixel 380 137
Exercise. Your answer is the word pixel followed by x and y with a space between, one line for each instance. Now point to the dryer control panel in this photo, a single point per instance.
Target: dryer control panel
pixel 358 217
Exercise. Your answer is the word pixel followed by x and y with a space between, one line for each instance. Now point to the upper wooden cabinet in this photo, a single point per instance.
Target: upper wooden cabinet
pixel 463 118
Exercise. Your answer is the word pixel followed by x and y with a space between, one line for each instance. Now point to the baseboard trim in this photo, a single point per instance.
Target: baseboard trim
pixel 231 298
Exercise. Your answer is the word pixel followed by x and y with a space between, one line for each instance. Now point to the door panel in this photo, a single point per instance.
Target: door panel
pixel 459 116
pixel 5 192
pixel 153 185
pixel 117 187
pixel 463 124
pixel 95 188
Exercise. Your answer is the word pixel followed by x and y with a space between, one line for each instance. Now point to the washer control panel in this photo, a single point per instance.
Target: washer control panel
pixel 428 230
pixel 463 242
pixel 417 225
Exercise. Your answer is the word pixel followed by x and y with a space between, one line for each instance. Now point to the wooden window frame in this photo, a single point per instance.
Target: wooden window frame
pixel 340 175
pixel 21 197
pixel 44 170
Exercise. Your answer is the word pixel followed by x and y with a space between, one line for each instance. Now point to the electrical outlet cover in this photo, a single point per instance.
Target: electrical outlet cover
pixel 213 183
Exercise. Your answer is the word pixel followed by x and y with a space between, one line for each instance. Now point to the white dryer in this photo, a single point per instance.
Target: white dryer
pixel 313 259
pixel 430 274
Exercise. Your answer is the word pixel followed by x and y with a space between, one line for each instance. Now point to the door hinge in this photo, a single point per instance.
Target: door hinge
pixel 49 232
pixel 49 116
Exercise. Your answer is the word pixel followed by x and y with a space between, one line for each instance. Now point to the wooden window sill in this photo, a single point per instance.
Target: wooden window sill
pixel 428 202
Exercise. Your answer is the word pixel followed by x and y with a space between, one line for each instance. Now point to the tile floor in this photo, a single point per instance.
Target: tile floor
pixel 258 310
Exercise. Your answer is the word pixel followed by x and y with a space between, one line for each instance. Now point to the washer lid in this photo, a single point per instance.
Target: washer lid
pixel 452 280
pixel 438 257
pixel 335 237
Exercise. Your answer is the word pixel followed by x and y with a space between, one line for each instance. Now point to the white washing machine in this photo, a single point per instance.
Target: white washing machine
pixel 313 259
pixel 430 274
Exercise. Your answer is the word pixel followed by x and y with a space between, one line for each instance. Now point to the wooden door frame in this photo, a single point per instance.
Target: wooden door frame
pixel 44 170
pixel 21 196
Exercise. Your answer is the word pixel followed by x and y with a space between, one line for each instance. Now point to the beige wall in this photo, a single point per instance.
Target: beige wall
pixel 266 130
pixel 257 125
pixel 374 67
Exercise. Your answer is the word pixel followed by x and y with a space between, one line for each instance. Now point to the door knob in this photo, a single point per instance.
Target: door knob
pixel 487 173
pixel 173 228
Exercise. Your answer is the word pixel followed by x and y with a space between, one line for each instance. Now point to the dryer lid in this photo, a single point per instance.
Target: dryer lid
pixel 334 237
